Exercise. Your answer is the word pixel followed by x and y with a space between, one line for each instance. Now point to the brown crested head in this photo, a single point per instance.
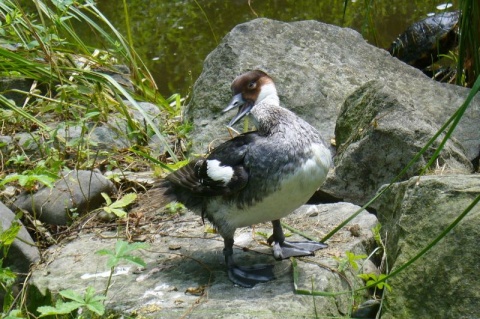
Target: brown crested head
pixel 249 84
pixel 247 91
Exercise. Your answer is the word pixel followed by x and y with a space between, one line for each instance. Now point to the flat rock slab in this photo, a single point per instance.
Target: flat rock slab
pixel 186 277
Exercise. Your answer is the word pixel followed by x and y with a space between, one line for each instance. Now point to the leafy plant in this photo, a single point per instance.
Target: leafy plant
pixel 350 260
pixel 118 206
pixel 7 276
pixel 18 160
pixel 175 208
pixel 89 301
pixel 377 235
pixel 121 253
pixel 374 280
pixel 29 179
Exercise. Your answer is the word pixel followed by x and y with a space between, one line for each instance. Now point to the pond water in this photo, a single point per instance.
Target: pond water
pixel 173 37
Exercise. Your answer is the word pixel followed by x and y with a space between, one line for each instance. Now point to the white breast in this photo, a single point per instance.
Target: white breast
pixel 294 191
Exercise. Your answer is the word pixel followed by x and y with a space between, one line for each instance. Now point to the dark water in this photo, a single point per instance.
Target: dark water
pixel 173 37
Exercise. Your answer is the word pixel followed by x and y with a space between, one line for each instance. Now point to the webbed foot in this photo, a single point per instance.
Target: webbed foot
pixel 242 275
pixel 296 249
pixel 283 249
pixel 250 276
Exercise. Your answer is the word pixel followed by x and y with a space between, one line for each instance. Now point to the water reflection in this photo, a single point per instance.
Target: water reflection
pixel 174 37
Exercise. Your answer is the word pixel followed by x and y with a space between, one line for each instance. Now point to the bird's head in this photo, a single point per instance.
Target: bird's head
pixel 250 89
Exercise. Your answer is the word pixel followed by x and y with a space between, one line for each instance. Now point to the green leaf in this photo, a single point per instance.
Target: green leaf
pixel 14 314
pixel 124 201
pixel 135 260
pixel 90 300
pixel 91 297
pixel 389 288
pixel 9 179
pixel 262 234
pixel 73 295
pixel 103 252
pixel 97 307
pixel 174 207
pixel 115 207
pixel 60 308
pixel 8 236
pixel 107 199
pixel 7 276
pixel 112 261
pixel 365 276
pixel 47 311
pixel 119 212
pixel 44 179
pixel 122 247
pixel 24 180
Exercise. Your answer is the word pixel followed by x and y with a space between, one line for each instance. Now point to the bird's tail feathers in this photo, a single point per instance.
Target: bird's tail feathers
pixel 156 198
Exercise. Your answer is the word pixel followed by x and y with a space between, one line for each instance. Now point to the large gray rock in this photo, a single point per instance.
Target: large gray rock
pixel 183 259
pixel 76 192
pixel 377 136
pixel 23 252
pixel 444 282
pixel 316 67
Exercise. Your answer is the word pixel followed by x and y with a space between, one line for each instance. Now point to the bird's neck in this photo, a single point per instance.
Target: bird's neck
pixel 269 117
pixel 268 95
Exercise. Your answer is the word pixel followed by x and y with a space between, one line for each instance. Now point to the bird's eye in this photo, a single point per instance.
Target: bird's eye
pixel 252 85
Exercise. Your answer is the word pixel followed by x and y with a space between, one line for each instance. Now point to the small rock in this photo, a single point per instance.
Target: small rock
pixel 77 191
pixel 355 230
pixel 367 310
pixel 8 192
pixel 196 291
pixel 23 251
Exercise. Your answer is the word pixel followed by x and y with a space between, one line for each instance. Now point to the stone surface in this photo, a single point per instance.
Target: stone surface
pixel 186 277
pixel 377 136
pixel 76 193
pixel 316 67
pixel 5 141
pixel 23 251
pixel 444 282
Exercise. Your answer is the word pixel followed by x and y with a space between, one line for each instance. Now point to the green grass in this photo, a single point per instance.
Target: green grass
pixel 72 84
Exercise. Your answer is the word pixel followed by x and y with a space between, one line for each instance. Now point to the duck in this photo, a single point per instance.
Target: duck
pixel 255 177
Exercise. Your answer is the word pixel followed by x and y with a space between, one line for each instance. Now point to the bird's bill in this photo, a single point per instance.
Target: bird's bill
pixel 243 108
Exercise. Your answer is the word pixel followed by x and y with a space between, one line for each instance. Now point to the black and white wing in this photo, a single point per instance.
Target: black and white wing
pixel 222 172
